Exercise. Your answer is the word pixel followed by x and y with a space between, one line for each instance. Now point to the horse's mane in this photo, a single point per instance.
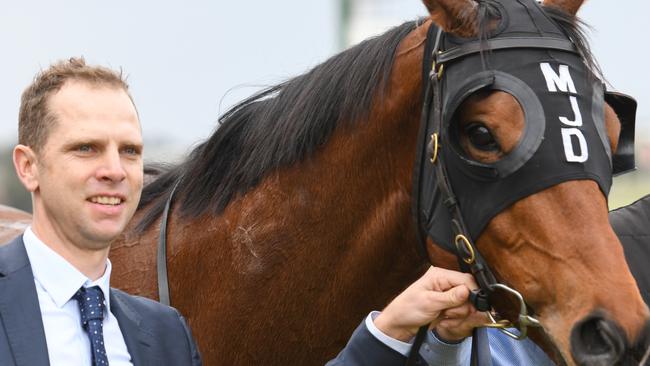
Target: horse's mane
pixel 285 123
pixel 277 127
pixel 574 28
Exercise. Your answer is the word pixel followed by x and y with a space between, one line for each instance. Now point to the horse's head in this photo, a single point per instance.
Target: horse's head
pixel 528 141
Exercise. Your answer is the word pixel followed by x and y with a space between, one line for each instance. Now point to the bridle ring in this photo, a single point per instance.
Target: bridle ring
pixel 434 141
pixel 468 247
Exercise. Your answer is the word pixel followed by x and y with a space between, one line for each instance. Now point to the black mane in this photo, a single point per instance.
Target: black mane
pixel 277 127
pixel 573 28
pixel 287 122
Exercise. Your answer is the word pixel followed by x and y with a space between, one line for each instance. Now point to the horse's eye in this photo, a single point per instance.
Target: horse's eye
pixel 481 137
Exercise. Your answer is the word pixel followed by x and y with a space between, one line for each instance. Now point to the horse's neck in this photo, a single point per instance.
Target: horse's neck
pixel 351 197
pixel 353 194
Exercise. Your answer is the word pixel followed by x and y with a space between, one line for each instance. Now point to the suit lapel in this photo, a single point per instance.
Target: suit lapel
pixel 138 340
pixel 19 309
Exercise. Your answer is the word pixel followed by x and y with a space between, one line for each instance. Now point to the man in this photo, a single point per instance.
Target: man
pixel 80 156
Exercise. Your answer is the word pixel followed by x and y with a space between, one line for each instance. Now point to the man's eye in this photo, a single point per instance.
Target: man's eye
pixel 131 151
pixel 85 148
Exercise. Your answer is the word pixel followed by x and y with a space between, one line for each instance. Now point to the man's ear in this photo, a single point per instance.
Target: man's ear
pixel 26 166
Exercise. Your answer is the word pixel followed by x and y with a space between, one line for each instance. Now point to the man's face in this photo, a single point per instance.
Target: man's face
pixel 89 173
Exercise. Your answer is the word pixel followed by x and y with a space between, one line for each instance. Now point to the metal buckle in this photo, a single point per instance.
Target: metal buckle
pixel 524 321
pixel 434 147
pixel 437 68
pixel 441 69
pixel 469 249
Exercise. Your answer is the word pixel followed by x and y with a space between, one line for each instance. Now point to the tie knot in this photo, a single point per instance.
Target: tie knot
pixel 91 303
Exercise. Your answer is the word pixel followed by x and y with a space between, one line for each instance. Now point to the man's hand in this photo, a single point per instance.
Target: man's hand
pixel 458 323
pixel 437 295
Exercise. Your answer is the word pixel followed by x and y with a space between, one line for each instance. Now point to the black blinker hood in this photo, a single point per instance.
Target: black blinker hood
pixel 625 108
pixel 529 57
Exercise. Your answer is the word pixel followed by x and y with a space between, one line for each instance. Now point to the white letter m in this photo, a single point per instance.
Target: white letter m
pixel 554 81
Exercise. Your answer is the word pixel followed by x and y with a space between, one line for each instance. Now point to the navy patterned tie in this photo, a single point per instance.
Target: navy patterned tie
pixel 91 307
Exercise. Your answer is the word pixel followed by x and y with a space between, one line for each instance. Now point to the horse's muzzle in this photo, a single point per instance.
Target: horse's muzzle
pixel 599 341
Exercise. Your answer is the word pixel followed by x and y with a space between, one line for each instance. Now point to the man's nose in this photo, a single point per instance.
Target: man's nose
pixel 111 168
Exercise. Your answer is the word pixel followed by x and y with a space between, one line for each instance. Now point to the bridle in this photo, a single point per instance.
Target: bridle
pixel 469 257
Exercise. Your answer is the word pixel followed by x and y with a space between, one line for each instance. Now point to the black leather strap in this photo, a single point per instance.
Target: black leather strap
pixel 161 267
pixel 480 300
pixel 506 43
pixel 416 208
pixel 432 117
pixel 417 343
pixel 481 355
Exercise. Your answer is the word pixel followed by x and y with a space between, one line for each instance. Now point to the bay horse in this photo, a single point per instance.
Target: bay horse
pixel 292 220
pixel 12 222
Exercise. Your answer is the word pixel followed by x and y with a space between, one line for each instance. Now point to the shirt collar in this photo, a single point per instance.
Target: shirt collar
pixel 57 276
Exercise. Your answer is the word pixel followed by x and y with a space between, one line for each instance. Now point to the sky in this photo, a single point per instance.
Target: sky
pixel 188 62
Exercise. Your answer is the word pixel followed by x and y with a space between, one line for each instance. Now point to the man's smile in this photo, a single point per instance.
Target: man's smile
pixel 107 200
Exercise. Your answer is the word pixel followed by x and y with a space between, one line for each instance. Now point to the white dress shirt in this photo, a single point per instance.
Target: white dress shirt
pixel 56 282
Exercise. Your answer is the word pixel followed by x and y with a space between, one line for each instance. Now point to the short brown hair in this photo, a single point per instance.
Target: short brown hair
pixel 35 119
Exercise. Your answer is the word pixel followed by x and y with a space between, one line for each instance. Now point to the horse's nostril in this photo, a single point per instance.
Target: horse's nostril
pixel 597 341
pixel 597 336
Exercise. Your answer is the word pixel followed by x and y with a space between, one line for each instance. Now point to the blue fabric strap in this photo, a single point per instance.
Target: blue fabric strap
pixel 91 307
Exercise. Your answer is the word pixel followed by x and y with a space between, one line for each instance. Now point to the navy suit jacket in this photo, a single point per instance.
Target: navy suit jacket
pixel 154 334
pixel 364 349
